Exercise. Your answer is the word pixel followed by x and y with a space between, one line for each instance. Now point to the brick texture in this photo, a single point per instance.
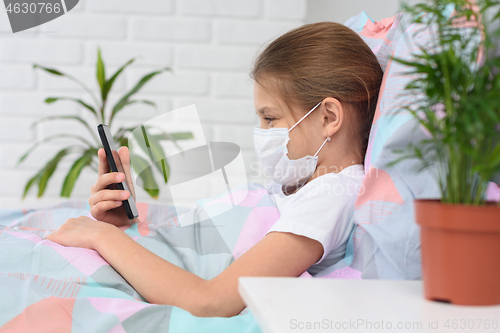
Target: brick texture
pixel 209 45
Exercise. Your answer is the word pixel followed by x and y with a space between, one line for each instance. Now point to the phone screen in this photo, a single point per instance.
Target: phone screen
pixel 115 165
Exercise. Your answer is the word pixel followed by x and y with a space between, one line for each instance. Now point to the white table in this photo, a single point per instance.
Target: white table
pixel 333 305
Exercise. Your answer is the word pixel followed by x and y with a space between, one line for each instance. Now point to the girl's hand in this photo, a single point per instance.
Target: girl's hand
pixel 80 232
pixel 106 204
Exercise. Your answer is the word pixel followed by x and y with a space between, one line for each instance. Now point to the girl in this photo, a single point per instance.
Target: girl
pixel 315 93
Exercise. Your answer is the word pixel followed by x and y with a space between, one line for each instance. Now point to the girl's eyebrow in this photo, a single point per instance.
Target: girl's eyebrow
pixel 264 109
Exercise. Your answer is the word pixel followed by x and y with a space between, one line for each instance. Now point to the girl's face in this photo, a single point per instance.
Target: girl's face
pixel 305 138
pixel 269 109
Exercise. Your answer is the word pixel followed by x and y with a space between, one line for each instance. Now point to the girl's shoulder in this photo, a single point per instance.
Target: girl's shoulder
pixel 345 183
pixel 352 174
pixel 355 172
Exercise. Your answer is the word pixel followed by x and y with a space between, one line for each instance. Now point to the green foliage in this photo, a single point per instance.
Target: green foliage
pixel 458 81
pixel 87 151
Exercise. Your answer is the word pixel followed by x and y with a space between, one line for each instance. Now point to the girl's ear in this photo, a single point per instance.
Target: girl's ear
pixel 333 116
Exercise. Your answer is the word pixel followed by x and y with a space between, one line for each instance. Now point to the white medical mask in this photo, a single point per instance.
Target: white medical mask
pixel 270 146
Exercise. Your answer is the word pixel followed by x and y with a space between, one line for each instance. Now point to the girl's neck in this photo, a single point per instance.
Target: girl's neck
pixel 336 166
pixel 321 170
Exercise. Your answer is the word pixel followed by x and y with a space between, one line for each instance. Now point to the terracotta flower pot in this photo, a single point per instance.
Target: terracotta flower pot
pixel 460 252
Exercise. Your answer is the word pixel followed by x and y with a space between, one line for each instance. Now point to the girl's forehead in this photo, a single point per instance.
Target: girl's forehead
pixel 266 101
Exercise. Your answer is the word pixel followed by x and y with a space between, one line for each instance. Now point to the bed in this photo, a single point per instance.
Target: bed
pixel 47 287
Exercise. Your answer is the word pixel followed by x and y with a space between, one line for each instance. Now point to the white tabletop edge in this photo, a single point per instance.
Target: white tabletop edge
pixel 266 323
pixel 392 300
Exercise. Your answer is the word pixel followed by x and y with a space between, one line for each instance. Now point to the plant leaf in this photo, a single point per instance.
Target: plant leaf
pixel 74 172
pixel 157 155
pixel 79 101
pixel 123 101
pixel 123 130
pixel 50 70
pixel 33 180
pixel 174 136
pixel 145 172
pixel 77 118
pixel 72 78
pixel 49 169
pixel 101 72
pixel 141 101
pixel 155 151
pixel 121 141
pixel 49 138
pixel 109 83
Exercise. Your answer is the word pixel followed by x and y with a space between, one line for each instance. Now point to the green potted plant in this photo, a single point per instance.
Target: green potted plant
pixel 458 78
pixel 86 152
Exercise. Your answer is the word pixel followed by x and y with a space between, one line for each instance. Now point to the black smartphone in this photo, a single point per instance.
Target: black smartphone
pixel 115 165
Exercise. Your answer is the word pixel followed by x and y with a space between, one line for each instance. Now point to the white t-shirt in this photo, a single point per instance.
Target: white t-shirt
pixel 322 210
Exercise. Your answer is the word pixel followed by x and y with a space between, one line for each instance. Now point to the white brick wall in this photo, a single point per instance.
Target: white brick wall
pixel 222 8
pixel 209 44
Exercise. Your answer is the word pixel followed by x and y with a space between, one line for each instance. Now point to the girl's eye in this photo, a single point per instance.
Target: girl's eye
pixel 269 120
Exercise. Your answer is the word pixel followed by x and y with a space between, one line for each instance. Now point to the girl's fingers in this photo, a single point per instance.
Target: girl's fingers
pixel 125 159
pixel 124 155
pixel 105 195
pixel 103 162
pixel 103 181
pixel 102 207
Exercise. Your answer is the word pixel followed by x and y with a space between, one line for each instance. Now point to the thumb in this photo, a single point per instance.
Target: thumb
pixel 125 159
pixel 124 156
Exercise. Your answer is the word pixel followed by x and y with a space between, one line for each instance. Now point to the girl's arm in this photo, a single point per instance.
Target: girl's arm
pixel 159 281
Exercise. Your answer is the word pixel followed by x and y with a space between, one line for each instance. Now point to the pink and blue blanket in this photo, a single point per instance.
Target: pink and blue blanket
pixel 46 286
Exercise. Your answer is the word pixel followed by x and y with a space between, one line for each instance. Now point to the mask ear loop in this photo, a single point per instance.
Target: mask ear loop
pixel 291 128
pixel 327 139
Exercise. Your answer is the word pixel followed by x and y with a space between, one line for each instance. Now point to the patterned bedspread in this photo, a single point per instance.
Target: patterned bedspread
pixel 45 286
